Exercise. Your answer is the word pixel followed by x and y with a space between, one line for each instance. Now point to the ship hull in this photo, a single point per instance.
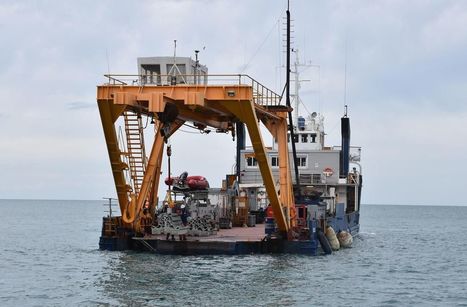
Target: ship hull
pixel 235 241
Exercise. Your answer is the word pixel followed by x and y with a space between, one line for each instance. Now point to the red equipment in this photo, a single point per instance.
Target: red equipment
pixel 190 183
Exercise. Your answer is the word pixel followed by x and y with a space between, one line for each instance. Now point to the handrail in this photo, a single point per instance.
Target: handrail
pixel 261 94
pixel 355 152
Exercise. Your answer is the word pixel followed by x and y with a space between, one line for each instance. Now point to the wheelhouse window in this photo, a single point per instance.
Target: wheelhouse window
pixel 316 178
pixel 304 138
pixel 301 161
pixel 251 162
pixel 275 161
pixel 313 138
pixel 295 138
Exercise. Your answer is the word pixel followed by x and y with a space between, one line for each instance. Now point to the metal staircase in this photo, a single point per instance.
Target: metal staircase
pixel 135 149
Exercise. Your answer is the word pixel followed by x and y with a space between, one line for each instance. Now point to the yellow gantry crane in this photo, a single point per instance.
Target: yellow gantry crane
pixel 170 106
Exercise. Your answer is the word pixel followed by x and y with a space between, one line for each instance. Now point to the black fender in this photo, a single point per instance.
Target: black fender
pixel 324 242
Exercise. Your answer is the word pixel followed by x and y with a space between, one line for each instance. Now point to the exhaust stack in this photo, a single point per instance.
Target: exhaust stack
pixel 345 150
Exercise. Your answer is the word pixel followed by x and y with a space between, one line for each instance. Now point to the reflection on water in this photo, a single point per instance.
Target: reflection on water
pixel 214 280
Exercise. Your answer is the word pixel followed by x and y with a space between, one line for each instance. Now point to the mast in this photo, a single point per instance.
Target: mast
pixel 287 97
pixel 297 86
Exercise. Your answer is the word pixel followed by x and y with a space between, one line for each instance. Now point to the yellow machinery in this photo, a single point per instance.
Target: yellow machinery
pixel 170 106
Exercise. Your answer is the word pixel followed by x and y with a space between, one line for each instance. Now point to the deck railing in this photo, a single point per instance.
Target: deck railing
pixel 355 152
pixel 261 94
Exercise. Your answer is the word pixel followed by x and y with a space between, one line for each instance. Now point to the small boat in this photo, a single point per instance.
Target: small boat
pixel 187 183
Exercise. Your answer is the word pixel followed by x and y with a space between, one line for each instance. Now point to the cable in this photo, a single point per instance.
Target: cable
pixel 190 126
pixel 260 46
pixel 304 106
pixel 201 131
pixel 191 132
pixel 147 121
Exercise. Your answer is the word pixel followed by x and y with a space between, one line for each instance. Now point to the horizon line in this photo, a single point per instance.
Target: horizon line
pixel 364 204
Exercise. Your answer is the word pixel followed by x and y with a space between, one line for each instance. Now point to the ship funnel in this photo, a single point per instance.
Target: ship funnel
pixel 345 150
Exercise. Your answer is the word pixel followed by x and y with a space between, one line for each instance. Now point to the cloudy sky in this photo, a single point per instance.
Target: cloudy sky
pixel 406 86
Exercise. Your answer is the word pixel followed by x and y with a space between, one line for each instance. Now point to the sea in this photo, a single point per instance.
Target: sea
pixel 403 256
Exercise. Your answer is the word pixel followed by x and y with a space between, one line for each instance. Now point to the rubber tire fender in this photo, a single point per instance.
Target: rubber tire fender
pixel 324 242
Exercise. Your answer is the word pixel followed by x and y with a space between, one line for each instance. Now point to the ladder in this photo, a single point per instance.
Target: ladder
pixel 135 149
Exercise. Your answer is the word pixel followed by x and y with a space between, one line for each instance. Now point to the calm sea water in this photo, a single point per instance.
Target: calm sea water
pixel 405 256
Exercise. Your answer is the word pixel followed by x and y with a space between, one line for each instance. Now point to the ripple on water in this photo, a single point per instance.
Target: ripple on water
pixel 403 256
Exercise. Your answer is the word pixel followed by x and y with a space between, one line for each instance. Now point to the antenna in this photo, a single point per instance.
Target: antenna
pixel 287 97
pixel 108 63
pixel 345 74
pixel 174 69
pixel 196 66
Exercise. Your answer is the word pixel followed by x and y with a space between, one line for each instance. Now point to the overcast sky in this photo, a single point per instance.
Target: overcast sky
pixel 406 86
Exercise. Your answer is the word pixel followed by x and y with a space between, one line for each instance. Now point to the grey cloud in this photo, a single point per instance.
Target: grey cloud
pixel 402 57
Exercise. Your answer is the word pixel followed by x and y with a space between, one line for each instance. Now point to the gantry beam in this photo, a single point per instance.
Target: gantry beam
pixel 194 102
pixel 211 105
pixel 278 129
pixel 245 112
pixel 109 113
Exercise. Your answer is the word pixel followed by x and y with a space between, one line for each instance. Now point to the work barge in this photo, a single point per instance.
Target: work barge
pixel 223 107
pixel 294 217
pixel 263 207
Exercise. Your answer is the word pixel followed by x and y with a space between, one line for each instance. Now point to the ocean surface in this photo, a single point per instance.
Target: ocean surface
pixel 404 256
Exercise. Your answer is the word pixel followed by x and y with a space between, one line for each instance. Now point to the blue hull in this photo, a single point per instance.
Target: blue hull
pixel 342 222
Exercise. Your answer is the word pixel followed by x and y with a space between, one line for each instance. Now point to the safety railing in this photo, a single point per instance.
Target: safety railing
pixel 261 94
pixel 355 152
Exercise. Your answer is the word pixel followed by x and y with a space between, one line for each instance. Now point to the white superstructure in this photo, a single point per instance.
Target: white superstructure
pixel 319 165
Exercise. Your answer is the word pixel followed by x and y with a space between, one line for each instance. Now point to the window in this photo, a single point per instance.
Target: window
pixel 313 138
pixel 304 138
pixel 295 138
pixel 177 70
pixel 251 162
pixel 301 161
pixel 275 161
pixel 302 212
pixel 316 178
